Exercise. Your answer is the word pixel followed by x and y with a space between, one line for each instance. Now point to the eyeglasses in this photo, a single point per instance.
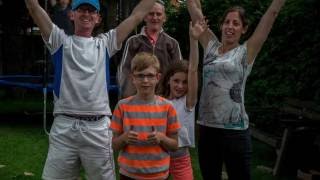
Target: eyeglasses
pixel 84 9
pixel 141 77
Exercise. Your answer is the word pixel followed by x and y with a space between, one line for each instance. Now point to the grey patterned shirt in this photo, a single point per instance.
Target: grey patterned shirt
pixel 222 97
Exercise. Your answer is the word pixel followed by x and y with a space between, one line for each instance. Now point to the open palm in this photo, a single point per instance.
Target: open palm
pixel 196 29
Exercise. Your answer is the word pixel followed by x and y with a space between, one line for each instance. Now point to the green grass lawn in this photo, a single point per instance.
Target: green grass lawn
pixel 23 149
pixel 23 144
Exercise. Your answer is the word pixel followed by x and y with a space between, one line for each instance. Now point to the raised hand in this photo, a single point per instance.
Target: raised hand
pixel 196 30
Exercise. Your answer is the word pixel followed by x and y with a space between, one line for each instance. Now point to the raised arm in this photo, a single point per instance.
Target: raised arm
pixel 40 17
pixel 193 66
pixel 194 8
pixel 195 31
pixel 261 32
pixel 133 20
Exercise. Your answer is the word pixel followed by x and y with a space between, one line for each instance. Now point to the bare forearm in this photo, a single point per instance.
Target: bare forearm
pixel 193 56
pixel 263 29
pixel 268 19
pixel 40 17
pixel 276 5
pixel 118 142
pixel 170 143
pixel 133 20
pixel 195 12
pixel 193 73
pixel 194 8
pixel 143 8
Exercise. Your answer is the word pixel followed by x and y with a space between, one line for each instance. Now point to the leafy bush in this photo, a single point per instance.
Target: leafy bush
pixel 288 64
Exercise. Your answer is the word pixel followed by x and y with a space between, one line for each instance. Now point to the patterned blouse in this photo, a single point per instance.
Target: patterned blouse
pixel 222 97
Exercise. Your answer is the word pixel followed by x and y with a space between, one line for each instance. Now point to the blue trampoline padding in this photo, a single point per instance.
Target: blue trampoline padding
pixel 24 81
pixel 18 76
pixel 25 85
pixel 16 80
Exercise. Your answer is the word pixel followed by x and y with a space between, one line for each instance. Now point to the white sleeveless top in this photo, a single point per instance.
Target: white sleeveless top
pixel 186 117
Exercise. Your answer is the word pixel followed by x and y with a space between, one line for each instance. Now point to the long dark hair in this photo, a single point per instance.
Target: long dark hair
pixel 178 66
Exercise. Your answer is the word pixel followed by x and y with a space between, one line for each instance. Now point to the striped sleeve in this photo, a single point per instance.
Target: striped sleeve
pixel 116 120
pixel 173 123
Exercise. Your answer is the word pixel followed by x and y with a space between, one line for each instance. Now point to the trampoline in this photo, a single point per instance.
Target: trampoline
pixel 43 79
pixel 24 81
pixel 38 82
pixel 44 83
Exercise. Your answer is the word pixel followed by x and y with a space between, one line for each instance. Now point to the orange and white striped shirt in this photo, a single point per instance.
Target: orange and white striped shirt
pixel 144 160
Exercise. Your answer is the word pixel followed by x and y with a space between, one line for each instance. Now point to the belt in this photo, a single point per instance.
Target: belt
pixel 85 117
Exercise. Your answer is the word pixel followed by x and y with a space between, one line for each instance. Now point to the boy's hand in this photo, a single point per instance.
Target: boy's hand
pixel 131 137
pixel 155 137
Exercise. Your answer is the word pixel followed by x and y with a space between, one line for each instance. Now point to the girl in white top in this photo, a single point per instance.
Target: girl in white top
pixel 183 95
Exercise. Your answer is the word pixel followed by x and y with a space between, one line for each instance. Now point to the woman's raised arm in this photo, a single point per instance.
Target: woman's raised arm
pixel 261 32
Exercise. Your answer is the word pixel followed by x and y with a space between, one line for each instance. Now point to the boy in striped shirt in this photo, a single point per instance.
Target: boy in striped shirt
pixel 144 125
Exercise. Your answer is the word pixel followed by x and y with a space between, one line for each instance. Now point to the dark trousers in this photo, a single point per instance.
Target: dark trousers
pixel 232 147
pixel 123 177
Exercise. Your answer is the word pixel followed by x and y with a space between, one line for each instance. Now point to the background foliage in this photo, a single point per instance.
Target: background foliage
pixel 288 64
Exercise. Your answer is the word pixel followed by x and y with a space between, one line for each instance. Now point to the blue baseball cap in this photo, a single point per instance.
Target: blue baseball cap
pixel 77 3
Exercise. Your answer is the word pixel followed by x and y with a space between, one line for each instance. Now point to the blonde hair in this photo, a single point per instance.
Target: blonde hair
pixel 143 60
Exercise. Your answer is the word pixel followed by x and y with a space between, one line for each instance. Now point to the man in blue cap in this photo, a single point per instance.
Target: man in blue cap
pixel 80 133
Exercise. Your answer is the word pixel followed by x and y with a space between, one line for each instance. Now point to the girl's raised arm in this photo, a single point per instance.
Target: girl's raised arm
pixel 195 31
